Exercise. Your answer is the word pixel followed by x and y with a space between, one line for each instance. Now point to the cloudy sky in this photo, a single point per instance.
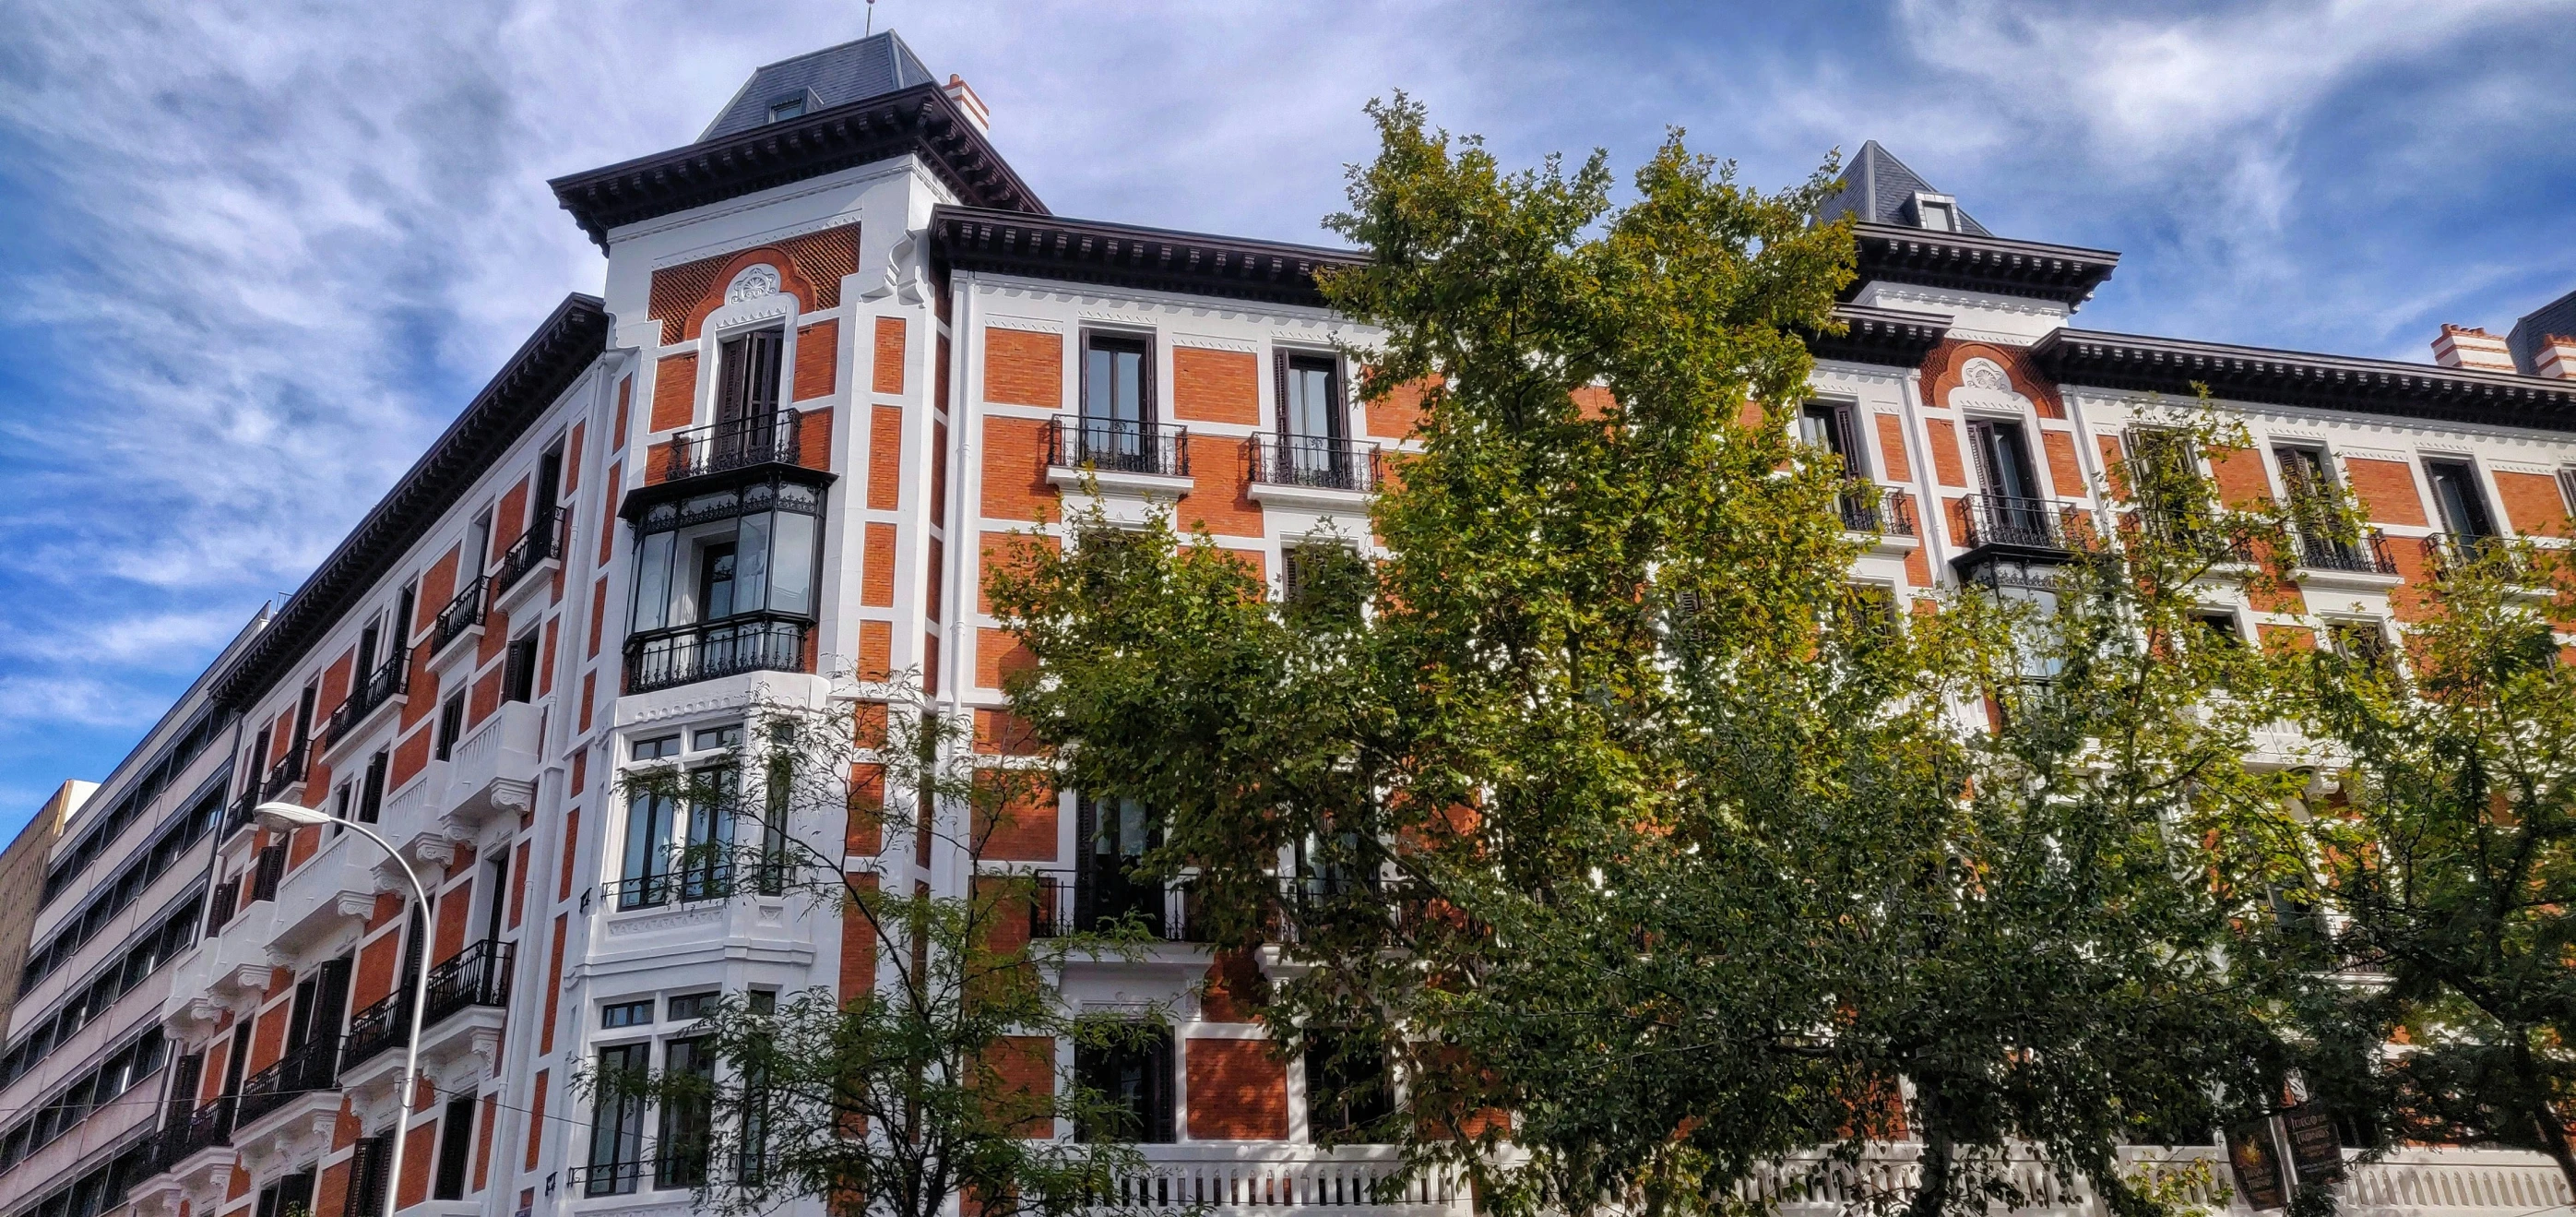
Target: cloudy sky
pixel 258 253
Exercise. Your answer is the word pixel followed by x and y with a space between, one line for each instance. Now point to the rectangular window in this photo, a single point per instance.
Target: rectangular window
pixel 367 1176
pixel 644 877
pixel 687 1117
pixel 2003 458
pixel 2361 641
pixel 712 738
pixel 2219 626
pixel 371 794
pixel 626 1014
pixel 690 1007
pixel 1117 374
pixel 1830 425
pixel 403 609
pixel 451 723
pixel 455 1149
pixel 519 669
pixel 1310 396
pixel 709 847
pixel 1107 889
pixel 747 384
pixel 1134 1081
pixel 655 749
pixel 478 546
pixel 1349 1090
pixel 617 1124
pixel 2462 504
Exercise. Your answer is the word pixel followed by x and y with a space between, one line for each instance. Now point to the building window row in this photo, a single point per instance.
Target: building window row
pixel 103 1188
pixel 104 829
pixel 129 1064
pixel 167 848
pixel 152 948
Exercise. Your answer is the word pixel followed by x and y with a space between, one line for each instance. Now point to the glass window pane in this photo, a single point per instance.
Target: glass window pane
pixel 791 568
pixel 751 564
pixel 653 583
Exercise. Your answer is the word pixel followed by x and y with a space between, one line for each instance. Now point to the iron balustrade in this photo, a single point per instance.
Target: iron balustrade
pixel 682 1169
pixel 1312 461
pixel 693 885
pixel 1891 516
pixel 310 1066
pixel 266 871
pixel 2445 551
pixel 390 679
pixel 238 815
pixel 461 614
pixel 745 642
pixel 1118 446
pixel 1072 902
pixel 2010 520
pixel 479 975
pixel 287 773
pixel 207 1127
pixel 2366 554
pixel 738 443
pixel 543 542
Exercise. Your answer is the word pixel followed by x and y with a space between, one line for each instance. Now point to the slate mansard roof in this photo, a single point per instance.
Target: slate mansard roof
pixel 834 76
pixel 1876 189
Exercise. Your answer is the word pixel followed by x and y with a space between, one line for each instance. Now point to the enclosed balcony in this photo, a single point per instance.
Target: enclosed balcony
pixel 493 772
pixel 725 583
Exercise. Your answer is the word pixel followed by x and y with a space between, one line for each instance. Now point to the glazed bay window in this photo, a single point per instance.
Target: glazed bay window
pixel 724 583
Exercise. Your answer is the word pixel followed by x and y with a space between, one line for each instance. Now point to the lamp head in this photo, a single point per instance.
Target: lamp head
pixel 283 816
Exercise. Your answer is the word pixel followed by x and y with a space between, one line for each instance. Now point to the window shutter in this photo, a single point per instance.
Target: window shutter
pixel 1086 847
pixel 1164 1131
pixel 1855 464
pixel 1981 447
pixel 1279 390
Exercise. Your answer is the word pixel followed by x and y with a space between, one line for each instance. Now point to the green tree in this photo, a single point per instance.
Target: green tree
pixel 1619 822
pixel 2448 857
pixel 937 1078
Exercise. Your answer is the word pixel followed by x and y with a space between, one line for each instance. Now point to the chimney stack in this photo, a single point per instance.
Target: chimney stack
pixel 2554 356
pixel 968 104
pixel 2466 346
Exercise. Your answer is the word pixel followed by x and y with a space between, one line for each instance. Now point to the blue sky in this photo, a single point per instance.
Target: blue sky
pixel 258 253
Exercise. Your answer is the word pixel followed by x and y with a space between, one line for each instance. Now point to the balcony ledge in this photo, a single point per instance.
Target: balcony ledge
pixel 338 748
pixel 1325 499
pixel 1112 481
pixel 301 1127
pixel 493 773
pixel 2348 580
pixel 540 577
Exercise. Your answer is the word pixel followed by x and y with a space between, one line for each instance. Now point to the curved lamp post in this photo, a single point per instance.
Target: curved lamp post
pixel 289 816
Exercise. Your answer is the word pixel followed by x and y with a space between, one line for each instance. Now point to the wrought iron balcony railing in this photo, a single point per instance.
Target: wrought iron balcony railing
pixel 287 773
pixel 1117 446
pixel 307 1067
pixel 461 614
pixel 1075 902
pixel 694 884
pixel 390 679
pixel 680 1169
pixel 1891 516
pixel 2021 523
pixel 206 1127
pixel 1314 462
pixel 737 443
pixel 544 540
pixel 479 975
pixel 748 642
pixel 2366 554
pixel 2448 551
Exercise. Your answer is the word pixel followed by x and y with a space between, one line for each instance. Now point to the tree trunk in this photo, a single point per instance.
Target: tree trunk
pixel 1932 1185
pixel 2552 1136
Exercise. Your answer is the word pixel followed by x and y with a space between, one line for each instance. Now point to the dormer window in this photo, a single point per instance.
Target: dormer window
pixel 1937 212
pixel 781 111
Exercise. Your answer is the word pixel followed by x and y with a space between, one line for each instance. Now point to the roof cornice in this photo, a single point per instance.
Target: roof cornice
pixel 921 120
pixel 1880 335
pixel 2299 378
pixel 548 363
pixel 1126 255
pixel 1893 253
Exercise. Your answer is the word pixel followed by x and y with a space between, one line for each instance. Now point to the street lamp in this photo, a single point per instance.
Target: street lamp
pixel 286 817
